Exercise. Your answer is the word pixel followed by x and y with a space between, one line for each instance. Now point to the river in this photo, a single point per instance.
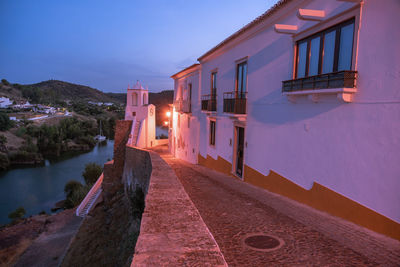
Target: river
pixel 37 189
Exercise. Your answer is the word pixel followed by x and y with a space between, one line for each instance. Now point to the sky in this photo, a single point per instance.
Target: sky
pixel 109 44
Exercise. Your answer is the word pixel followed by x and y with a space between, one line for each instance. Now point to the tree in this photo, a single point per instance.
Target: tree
pixel 92 173
pixel 17 214
pixel 5 82
pixel 5 122
pixel 3 140
pixel 75 192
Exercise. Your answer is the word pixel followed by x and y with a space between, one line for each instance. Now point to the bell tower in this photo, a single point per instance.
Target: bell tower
pixel 142 114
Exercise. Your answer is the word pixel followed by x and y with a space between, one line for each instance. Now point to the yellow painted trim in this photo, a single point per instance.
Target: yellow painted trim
pixel 318 197
pixel 219 164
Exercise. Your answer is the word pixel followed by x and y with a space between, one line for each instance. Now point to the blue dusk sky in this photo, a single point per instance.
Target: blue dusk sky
pixel 109 44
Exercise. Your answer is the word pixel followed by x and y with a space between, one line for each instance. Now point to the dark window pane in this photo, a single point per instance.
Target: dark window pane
pixel 329 52
pixel 301 63
pixel 213 83
pixel 212 132
pixel 346 47
pixel 240 77
pixel 244 79
pixel 314 56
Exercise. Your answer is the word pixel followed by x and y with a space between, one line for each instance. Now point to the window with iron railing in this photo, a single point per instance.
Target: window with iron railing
pixel 235 102
pixel 324 60
pixel 209 102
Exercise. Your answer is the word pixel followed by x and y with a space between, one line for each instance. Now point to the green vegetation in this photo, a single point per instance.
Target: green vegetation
pixel 5 82
pixel 92 173
pixel 70 134
pixel 3 139
pixel 55 139
pixel 75 191
pixel 5 122
pixel 17 214
pixel 4 161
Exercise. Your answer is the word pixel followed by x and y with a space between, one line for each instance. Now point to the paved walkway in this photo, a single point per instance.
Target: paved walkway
pixel 232 210
pixel 48 249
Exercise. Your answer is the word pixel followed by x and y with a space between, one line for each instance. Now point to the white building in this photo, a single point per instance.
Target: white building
pixel 303 101
pixel 5 102
pixel 142 114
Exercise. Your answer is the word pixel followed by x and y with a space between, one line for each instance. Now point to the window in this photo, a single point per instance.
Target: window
pixel 188 122
pixel 241 79
pixel 328 51
pixel 212 133
pixel 144 99
pixel 189 108
pixel 134 99
pixel 214 84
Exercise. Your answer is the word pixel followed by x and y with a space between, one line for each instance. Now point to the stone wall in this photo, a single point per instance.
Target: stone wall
pixel 113 170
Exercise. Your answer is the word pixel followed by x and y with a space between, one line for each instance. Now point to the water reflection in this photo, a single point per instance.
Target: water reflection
pixel 39 188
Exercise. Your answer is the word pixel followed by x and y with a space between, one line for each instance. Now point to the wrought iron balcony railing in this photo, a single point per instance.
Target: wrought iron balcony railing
pixel 341 79
pixel 235 102
pixel 209 102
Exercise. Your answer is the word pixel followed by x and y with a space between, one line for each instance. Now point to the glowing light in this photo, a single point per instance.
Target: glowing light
pixel 168 114
pixel 165 122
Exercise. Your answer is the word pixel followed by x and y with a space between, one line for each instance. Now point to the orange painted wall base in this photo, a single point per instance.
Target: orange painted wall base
pixel 318 197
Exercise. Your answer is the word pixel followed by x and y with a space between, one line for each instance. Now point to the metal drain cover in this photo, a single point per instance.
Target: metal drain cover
pixel 263 242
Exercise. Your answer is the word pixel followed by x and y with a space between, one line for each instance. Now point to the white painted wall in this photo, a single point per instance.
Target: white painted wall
pixel 145 113
pixel 351 148
pixel 186 135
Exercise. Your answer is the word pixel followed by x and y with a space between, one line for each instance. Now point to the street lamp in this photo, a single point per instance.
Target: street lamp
pixel 168 114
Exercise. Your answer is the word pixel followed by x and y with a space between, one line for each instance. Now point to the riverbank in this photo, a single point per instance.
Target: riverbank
pixel 52 233
pixel 39 188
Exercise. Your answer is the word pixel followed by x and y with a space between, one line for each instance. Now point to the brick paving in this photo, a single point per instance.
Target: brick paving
pixel 232 210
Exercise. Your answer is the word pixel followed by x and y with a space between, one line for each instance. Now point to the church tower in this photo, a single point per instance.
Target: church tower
pixel 142 114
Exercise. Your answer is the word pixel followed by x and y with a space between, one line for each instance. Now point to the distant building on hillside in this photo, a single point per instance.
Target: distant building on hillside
pixel 142 114
pixel 5 102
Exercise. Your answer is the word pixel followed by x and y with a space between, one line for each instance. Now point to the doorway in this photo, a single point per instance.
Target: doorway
pixel 239 151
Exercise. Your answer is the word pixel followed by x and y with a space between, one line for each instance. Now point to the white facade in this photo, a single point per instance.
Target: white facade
pixel 5 102
pixel 143 115
pixel 345 138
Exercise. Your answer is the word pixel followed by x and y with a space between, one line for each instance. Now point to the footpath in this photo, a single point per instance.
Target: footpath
pixel 254 227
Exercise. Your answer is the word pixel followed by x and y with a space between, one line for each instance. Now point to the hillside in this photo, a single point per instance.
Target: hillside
pixel 162 98
pixel 54 91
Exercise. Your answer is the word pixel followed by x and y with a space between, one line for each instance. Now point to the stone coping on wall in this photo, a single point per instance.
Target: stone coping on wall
pixel 172 233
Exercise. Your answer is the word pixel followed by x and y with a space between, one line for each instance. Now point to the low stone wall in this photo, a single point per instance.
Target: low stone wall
pixel 137 170
pixel 160 142
pixel 172 233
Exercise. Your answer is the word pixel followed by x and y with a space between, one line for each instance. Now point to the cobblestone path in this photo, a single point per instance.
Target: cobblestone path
pixel 233 209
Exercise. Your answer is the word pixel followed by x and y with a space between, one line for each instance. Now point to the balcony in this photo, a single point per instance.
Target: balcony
pixel 182 105
pixel 209 103
pixel 235 102
pixel 342 83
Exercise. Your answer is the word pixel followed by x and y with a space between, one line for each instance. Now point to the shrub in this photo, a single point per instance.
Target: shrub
pixel 5 82
pixel 21 132
pixel 75 192
pixel 5 122
pixel 18 86
pixel 4 161
pixel 29 146
pixel 3 140
pixel 91 173
pixel 17 214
